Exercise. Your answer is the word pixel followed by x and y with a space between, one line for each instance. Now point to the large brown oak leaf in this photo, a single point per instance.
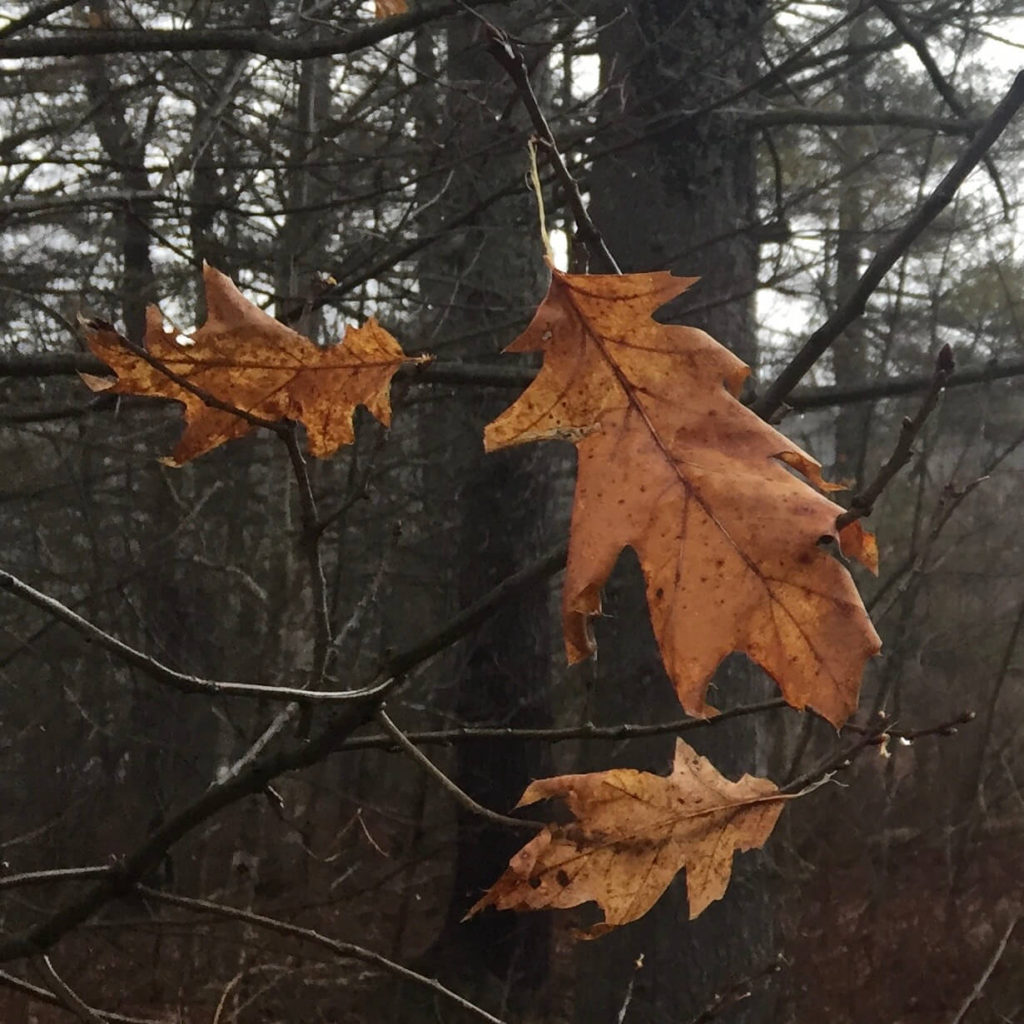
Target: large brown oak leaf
pixel 633 833
pixel 734 545
pixel 244 359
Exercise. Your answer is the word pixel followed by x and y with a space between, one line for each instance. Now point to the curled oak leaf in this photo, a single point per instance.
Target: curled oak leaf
pixel 243 359
pixel 733 544
pixel 633 833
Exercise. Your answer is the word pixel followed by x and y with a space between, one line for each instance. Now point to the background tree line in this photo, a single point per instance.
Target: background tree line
pixel 337 167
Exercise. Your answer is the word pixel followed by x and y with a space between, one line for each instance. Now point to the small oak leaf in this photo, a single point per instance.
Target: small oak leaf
pixel 243 360
pixel 633 833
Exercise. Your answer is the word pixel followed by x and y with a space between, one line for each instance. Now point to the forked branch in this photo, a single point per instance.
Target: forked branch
pixel 863 501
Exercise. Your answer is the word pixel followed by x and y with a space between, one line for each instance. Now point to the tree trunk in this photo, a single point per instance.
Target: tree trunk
pixel 490 515
pixel 680 197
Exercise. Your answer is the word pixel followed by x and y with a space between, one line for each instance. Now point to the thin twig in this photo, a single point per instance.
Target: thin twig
pixel 920 46
pixel 310 543
pixel 940 197
pixel 164 674
pixel 44 995
pixel 468 619
pixel 507 54
pixel 347 950
pixel 583 731
pixel 979 987
pixel 638 964
pixel 863 502
pixel 949 727
pixel 53 876
pixel 738 991
pixel 34 16
pixel 68 997
pixel 230 40
pixel 875 734
pixel 952 497
pixel 401 740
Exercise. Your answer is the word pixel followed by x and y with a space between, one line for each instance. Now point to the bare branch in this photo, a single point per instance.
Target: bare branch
pixel 979 986
pixel 847 394
pixel 268 43
pixel 44 995
pixel 585 731
pixel 468 619
pixel 815 117
pixel 818 343
pixel 738 991
pixel 875 734
pixel 864 500
pixel 68 997
pixel 401 740
pixel 309 542
pixel 507 54
pixel 52 876
pixel 920 46
pixel 164 674
pixel 34 16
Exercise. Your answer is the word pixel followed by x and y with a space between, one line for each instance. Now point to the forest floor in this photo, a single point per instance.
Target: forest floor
pixel 900 940
pixel 888 939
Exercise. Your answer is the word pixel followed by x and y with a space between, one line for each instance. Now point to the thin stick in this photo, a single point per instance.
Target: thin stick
pixel 507 54
pixel 628 997
pixel 446 783
pixel 77 43
pixel 583 731
pixel 469 618
pixel 975 994
pixel 33 17
pixel 164 674
pixel 920 46
pixel 623 731
pixel 863 501
pixel 44 995
pixel 53 876
pixel 820 341
pixel 737 992
pixel 874 734
pixel 68 997
pixel 347 950
pixel 310 544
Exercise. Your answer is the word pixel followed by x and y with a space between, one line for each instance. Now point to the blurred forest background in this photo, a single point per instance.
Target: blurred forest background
pixel 338 166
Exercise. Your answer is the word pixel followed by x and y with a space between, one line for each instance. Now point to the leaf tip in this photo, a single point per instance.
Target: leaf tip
pixel 94 382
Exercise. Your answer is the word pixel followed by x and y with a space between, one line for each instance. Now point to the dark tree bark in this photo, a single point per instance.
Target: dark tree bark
pixel 491 513
pixel 681 198
pixel 850 353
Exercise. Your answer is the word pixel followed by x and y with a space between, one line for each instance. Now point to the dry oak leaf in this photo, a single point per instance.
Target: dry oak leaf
pixel 244 359
pixel 731 542
pixel 389 8
pixel 634 832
